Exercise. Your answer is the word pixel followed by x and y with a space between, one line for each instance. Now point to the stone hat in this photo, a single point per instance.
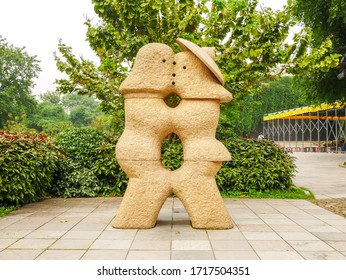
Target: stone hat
pixel 203 55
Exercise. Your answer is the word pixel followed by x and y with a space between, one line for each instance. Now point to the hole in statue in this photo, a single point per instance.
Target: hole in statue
pixel 172 152
pixel 172 100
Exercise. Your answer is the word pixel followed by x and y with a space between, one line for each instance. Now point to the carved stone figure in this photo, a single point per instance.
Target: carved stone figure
pixel 194 76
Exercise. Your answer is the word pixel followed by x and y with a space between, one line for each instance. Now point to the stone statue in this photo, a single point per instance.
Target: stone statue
pixel 194 76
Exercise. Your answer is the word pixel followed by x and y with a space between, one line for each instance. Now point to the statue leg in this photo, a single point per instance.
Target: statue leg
pixel 194 183
pixel 147 190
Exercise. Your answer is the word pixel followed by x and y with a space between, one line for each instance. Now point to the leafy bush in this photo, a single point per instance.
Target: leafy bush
pixel 106 167
pixel 27 166
pixel 75 180
pixel 4 210
pixel 89 167
pixel 80 144
pixel 172 152
pixel 256 166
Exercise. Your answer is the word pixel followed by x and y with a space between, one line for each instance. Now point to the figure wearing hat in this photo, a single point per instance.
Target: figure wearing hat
pixel 196 79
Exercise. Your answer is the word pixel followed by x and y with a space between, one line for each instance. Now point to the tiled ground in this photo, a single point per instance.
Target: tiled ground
pixel 81 229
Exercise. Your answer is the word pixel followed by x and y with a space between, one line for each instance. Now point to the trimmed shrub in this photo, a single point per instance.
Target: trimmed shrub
pixel 106 167
pixel 75 180
pixel 256 166
pixel 80 144
pixel 89 167
pixel 28 163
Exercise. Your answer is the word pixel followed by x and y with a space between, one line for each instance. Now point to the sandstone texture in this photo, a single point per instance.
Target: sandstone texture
pixel 192 75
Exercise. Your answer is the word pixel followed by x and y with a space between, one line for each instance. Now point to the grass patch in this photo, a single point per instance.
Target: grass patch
pixel 4 210
pixel 292 193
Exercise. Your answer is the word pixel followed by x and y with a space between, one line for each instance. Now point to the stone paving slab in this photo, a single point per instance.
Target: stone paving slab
pixel 80 228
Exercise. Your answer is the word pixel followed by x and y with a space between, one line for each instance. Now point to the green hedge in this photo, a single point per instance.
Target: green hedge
pixel 81 162
pixel 106 167
pixel 28 163
pixel 89 167
pixel 256 166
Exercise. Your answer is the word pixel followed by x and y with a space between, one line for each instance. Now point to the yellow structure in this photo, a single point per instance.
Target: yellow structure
pixel 311 128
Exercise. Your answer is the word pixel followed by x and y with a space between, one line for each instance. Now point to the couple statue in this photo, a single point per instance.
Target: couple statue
pixel 193 76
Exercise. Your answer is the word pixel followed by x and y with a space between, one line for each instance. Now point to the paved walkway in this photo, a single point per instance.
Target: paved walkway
pixel 264 228
pixel 320 172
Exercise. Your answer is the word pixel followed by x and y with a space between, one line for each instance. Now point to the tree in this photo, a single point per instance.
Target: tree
pixel 109 125
pixel 327 20
pixel 272 96
pixel 51 97
pixel 55 113
pixel 250 43
pixel 17 71
pixel 281 95
pixel 82 109
pixel 49 117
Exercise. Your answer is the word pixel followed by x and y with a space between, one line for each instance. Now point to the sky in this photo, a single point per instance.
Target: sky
pixel 38 25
